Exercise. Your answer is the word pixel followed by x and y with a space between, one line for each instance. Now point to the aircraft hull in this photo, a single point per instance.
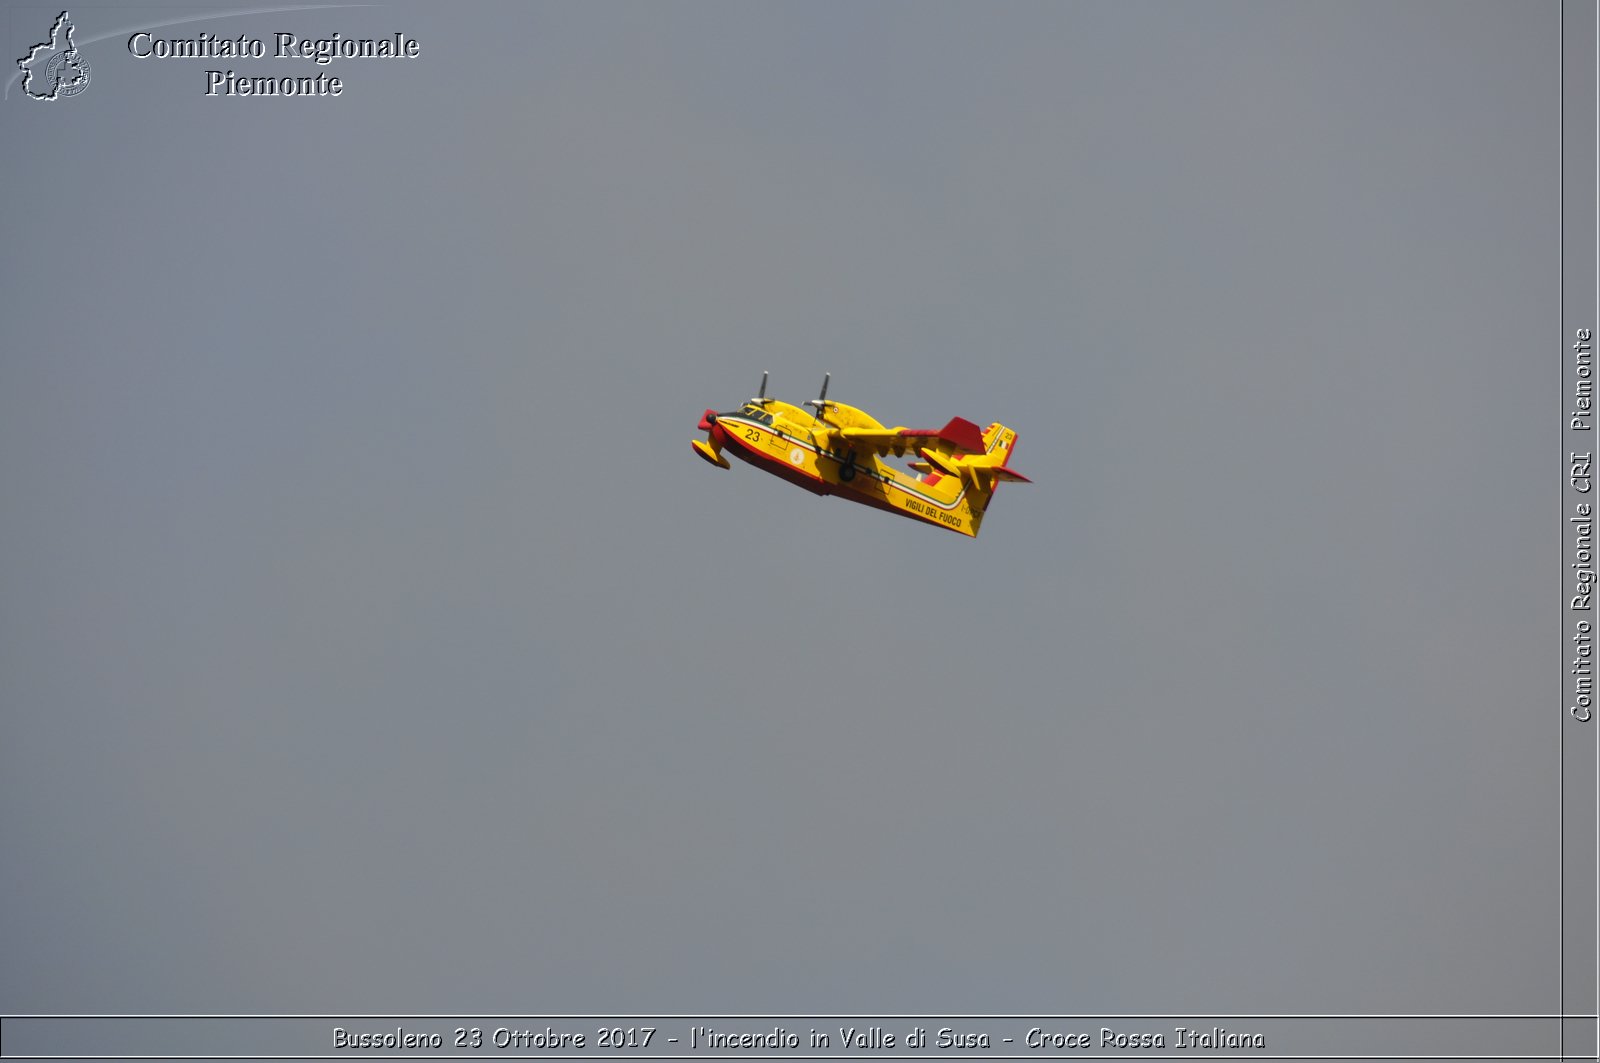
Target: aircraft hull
pixel 864 479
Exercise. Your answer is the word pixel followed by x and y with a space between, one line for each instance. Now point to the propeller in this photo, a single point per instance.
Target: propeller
pixel 710 448
pixel 821 401
pixel 761 396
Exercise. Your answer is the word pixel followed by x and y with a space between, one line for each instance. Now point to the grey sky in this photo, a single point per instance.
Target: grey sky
pixel 371 639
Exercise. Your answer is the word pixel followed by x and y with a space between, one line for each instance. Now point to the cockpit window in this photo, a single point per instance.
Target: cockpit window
pixel 752 413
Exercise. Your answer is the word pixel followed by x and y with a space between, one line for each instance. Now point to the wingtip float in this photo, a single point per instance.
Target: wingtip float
pixel 839 450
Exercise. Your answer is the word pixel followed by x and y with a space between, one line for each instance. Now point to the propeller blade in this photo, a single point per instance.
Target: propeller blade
pixel 821 401
pixel 763 392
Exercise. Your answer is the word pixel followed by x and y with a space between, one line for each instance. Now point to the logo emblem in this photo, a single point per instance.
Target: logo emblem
pixel 55 69
pixel 796 456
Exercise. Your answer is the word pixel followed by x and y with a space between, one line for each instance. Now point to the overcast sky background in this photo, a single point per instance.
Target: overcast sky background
pixel 371 640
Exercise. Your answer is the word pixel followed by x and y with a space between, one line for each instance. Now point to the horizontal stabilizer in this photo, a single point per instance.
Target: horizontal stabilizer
pixel 973 465
pixel 942 462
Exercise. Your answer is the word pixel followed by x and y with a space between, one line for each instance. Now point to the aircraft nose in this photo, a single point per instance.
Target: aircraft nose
pixel 714 431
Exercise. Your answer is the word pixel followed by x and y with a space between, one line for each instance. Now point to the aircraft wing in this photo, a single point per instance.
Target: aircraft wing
pixel 959 433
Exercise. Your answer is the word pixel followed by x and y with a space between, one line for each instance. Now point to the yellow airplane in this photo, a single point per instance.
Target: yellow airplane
pixel 840 450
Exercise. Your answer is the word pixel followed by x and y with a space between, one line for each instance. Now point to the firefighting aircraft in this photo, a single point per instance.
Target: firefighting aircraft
pixel 840 450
